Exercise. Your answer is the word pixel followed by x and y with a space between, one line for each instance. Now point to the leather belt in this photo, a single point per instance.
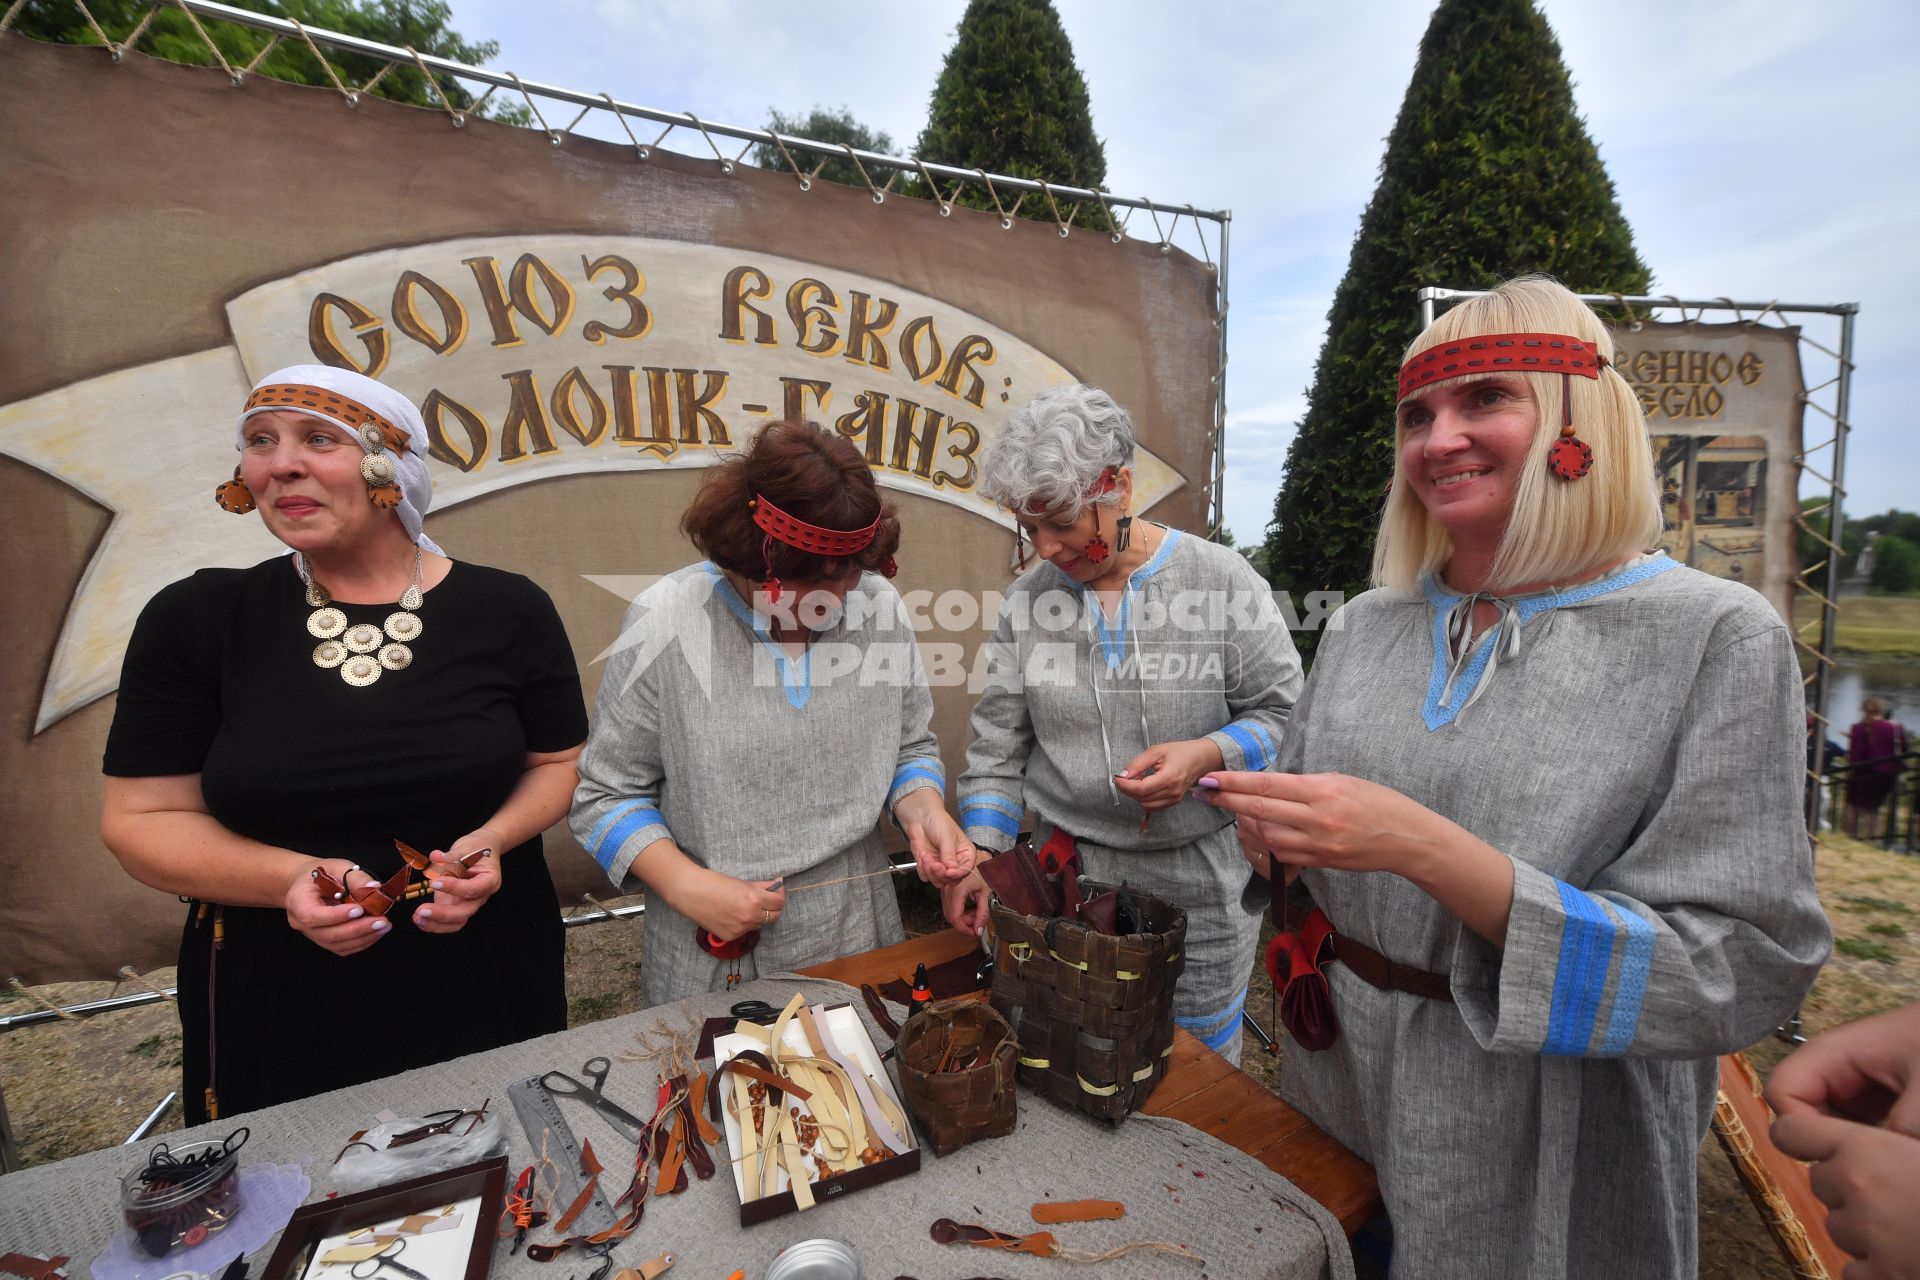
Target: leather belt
pixel 1375 969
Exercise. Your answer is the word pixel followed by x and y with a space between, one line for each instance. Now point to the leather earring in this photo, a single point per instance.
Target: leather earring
pixel 1123 534
pixel 379 470
pixel 1096 549
pixel 1570 457
pixel 233 495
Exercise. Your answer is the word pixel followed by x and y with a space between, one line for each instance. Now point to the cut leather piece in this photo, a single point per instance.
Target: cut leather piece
pixel 1017 880
pixel 588 1190
pixel 708 1133
pixel 651 1269
pixel 670 1179
pixel 956 977
pixel 754 1066
pixel 1040 1244
pixel 412 856
pixel 590 1163
pixel 29 1267
pixel 1296 964
pixel 882 1016
pixel 877 1118
pixel 1053 1212
pixel 1101 912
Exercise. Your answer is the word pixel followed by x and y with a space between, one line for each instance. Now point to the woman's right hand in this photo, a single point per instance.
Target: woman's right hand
pixel 341 928
pixel 725 907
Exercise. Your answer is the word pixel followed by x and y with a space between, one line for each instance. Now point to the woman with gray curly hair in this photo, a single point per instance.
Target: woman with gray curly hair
pixel 1180 664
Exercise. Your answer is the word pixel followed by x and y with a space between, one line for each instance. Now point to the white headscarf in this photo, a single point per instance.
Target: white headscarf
pixel 416 482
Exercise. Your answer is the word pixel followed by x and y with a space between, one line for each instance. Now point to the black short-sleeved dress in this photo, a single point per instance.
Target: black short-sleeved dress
pixel 219 680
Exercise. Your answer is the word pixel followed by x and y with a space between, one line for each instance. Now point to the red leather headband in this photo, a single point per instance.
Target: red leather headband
pixel 1523 352
pixel 1103 484
pixel 810 537
pixel 345 410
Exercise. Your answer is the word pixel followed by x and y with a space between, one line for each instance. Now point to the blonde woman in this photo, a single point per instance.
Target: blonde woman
pixel 1555 779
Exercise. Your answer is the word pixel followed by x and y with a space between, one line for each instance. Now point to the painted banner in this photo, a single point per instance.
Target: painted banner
pixel 1723 404
pixel 584 331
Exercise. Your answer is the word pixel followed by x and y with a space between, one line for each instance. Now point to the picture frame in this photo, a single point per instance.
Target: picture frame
pixel 314 1223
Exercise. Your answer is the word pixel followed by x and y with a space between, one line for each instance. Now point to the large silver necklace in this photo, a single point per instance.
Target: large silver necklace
pixel 361 652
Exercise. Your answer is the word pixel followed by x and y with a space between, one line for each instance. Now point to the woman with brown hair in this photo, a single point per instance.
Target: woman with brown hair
pixel 760 711
pixel 1875 746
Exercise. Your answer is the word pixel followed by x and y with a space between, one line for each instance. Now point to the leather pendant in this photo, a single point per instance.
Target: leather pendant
pixel 1296 964
pixel 385 496
pixel 1570 457
pixel 1096 550
pixel 233 495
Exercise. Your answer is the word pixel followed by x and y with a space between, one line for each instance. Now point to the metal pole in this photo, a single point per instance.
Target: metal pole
pixel 685 119
pixel 1217 517
pixel 153 1118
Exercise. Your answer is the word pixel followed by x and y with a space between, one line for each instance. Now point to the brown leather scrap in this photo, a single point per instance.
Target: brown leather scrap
pixel 1053 1212
pixel 1041 1244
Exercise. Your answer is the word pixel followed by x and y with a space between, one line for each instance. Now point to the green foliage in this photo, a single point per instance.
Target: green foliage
pixel 419 24
pixel 1489 173
pixel 1888 929
pixel 1010 100
pixel 1861 903
pixel 1862 949
pixel 1813 552
pixel 823 125
pixel 1896 565
pixel 1902 524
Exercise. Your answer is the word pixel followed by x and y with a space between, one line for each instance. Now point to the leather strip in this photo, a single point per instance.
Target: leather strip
pixel 1488 353
pixel 345 410
pixel 1377 970
pixel 801 536
pixel 876 1117
pixel 1040 1244
pixel 1052 1212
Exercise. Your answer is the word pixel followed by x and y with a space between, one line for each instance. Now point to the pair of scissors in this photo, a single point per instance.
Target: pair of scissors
pixel 755 1011
pixel 561 1085
pixel 384 1261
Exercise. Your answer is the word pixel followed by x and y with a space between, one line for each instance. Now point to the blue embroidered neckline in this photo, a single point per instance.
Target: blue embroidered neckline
pixel 795 677
pixel 1525 609
pixel 1113 641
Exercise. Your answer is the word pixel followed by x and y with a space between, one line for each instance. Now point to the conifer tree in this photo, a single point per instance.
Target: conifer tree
pixel 1489 173
pixel 1011 101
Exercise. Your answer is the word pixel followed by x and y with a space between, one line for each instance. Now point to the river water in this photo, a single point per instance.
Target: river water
pixel 1855 677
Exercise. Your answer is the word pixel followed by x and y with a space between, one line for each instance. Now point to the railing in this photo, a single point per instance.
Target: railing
pixel 1895 820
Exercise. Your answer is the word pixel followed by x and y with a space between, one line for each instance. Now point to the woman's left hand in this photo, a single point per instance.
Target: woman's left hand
pixel 459 892
pixel 1161 776
pixel 940 848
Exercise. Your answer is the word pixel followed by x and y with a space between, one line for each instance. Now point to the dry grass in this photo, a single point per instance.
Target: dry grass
pixel 76 1086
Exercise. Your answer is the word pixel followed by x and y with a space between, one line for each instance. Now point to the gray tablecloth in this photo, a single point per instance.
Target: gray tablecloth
pixel 1177 1183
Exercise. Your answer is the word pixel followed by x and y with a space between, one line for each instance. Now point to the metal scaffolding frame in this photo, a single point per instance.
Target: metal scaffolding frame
pixel 1115 212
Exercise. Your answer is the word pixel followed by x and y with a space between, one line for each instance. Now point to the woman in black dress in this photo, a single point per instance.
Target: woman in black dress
pixel 306 713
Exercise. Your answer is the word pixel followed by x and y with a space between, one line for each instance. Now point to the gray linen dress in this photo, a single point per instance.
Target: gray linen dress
pixel 758 763
pixel 1198 649
pixel 1640 760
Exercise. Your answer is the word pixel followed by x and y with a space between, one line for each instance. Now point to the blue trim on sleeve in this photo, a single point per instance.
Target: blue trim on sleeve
pixel 979 815
pixel 911 772
pixel 1226 1024
pixel 1266 739
pixel 1630 990
pixel 1525 609
pixel 612 816
pixel 1252 753
pixel 989 800
pixel 1580 979
pixel 638 820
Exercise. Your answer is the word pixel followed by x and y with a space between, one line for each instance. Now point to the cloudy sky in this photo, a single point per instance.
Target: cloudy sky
pixel 1763 149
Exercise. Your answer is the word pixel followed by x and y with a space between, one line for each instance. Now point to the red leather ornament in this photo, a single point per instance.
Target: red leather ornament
pixel 730 950
pixel 1570 457
pixel 1096 550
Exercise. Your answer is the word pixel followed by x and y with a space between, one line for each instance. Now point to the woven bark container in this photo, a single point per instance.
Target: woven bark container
pixel 956 1107
pixel 1093 1012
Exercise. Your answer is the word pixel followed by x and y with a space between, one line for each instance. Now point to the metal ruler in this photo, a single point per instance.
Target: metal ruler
pixel 540 1116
